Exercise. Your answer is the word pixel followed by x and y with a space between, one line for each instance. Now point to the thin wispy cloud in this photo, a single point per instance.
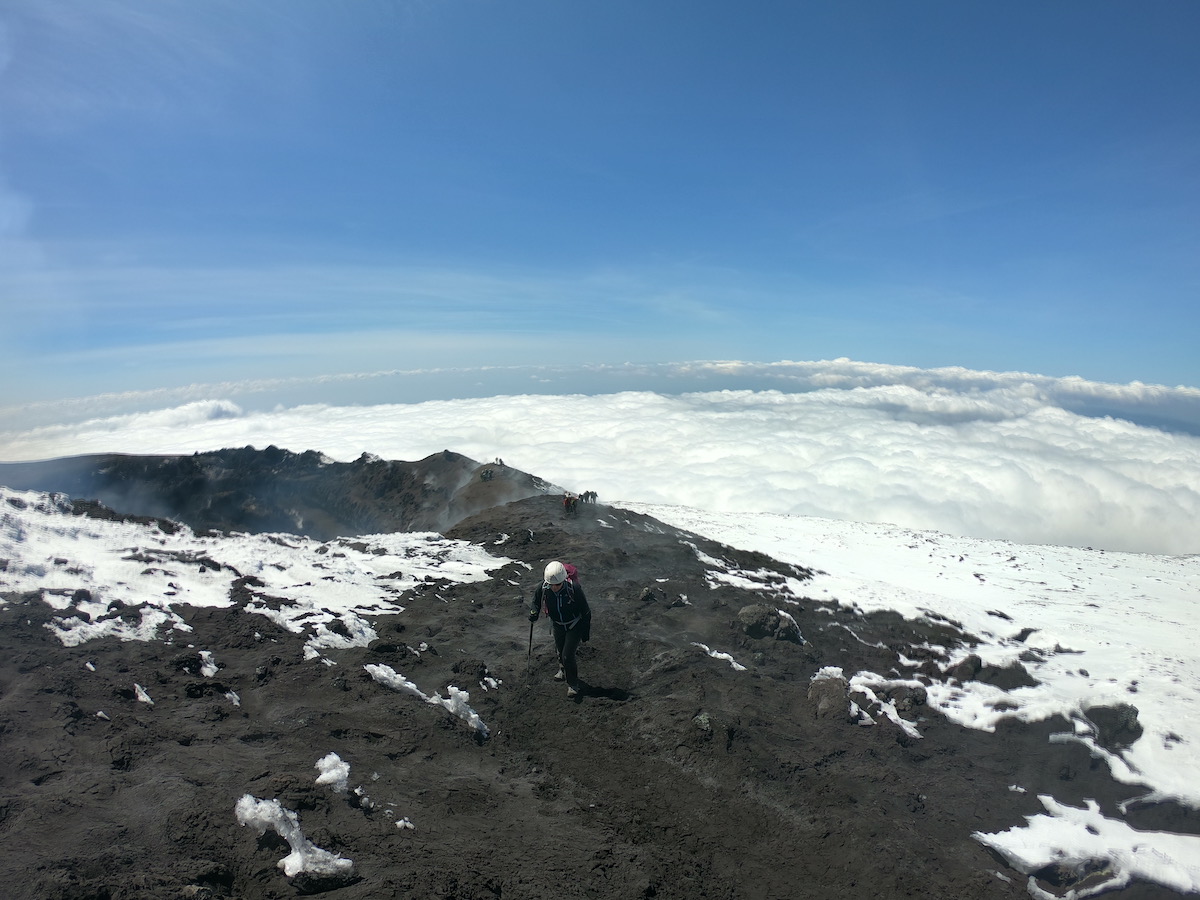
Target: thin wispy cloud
pixel 73 67
pixel 15 210
pixel 140 302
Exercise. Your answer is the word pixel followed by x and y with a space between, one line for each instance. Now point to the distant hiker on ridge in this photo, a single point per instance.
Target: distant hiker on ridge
pixel 570 618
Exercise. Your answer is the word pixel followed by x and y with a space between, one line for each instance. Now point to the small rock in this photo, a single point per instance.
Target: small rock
pixel 829 697
pixel 967 669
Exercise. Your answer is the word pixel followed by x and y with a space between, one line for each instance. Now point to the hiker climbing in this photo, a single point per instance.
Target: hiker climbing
pixel 560 596
pixel 570 504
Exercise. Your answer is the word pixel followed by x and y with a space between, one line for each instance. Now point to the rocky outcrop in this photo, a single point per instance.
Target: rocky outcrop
pixel 1117 727
pixel 275 490
pixel 829 698
pixel 762 621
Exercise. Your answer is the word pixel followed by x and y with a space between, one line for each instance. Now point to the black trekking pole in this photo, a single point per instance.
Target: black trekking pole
pixel 529 655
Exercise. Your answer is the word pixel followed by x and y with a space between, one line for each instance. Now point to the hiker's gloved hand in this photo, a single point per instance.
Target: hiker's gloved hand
pixel 533 615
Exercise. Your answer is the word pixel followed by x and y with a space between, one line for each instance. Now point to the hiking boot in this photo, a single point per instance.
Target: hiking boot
pixel 560 676
pixel 572 691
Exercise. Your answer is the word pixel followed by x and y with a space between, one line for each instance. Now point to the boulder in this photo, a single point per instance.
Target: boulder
pixel 828 697
pixel 761 621
pixel 1117 727
pixel 967 669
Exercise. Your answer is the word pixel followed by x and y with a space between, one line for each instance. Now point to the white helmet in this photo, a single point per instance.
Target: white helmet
pixel 556 573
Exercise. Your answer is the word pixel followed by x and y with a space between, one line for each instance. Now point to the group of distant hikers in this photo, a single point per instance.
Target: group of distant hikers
pixel 488 474
pixel 571 501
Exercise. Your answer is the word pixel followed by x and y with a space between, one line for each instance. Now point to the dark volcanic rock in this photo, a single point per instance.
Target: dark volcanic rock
pixel 1007 677
pixel 274 490
pixel 829 698
pixel 671 776
pixel 1117 727
pixel 760 620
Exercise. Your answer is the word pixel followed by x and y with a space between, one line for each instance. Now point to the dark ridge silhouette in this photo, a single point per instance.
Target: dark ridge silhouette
pixel 275 490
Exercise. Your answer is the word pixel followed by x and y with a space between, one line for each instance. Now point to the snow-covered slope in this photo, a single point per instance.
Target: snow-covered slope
pixel 1093 628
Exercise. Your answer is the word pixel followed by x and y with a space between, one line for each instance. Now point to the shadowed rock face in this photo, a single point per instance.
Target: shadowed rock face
pixel 672 775
pixel 275 490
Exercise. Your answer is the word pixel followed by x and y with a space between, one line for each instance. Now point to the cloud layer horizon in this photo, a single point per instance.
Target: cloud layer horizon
pixel 1010 456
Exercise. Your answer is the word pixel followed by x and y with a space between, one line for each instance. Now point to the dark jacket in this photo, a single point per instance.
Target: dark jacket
pixel 567 607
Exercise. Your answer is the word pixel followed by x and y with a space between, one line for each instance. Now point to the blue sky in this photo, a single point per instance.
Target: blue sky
pixel 201 192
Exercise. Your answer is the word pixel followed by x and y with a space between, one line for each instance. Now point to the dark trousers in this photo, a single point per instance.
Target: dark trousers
pixel 566 642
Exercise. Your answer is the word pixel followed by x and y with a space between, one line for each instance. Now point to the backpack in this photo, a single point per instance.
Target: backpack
pixel 572 576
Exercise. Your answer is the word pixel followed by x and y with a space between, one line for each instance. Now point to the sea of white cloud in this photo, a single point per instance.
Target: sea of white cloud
pixel 1011 456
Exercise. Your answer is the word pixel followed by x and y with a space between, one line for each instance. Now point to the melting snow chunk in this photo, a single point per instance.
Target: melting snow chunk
pixel 305 856
pixel 829 672
pixel 208 667
pixel 455 702
pixel 717 654
pixel 334 772
pixel 865 682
